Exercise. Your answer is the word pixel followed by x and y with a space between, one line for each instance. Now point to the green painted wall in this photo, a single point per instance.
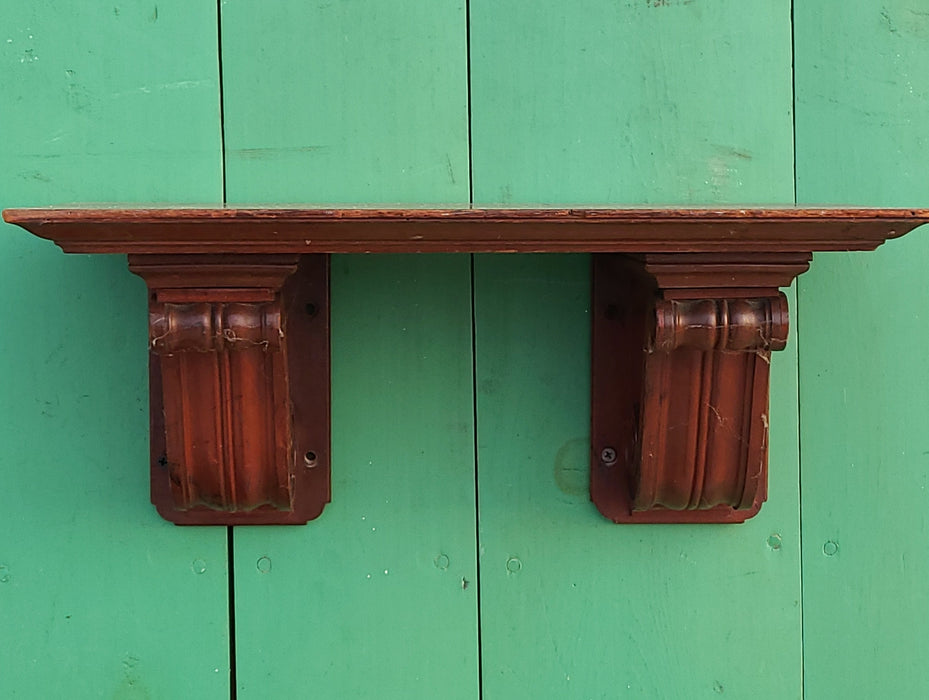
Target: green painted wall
pixel 597 103
pixel 98 596
pixel 863 135
pixel 460 555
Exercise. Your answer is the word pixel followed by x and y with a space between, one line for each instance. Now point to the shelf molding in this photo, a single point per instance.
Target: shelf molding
pixel 686 311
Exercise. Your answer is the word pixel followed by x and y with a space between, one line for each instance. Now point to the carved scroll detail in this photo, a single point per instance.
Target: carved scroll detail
pixel 206 327
pixel 721 324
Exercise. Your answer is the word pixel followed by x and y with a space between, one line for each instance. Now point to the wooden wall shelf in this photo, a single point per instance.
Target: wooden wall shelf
pixel 686 311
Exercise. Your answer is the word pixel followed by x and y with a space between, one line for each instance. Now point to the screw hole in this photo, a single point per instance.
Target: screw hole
pixel 311 309
pixel 309 459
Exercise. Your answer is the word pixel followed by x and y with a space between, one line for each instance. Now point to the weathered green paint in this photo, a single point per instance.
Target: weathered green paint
pixel 596 609
pixel 98 596
pixel 361 101
pixel 630 102
pixel 366 102
pixel 862 105
pixel 378 597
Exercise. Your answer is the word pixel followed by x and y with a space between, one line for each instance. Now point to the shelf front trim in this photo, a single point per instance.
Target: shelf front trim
pixel 263 231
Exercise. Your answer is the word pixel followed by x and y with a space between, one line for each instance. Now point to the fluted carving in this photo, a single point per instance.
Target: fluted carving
pixel 704 430
pixel 225 404
pixel 214 327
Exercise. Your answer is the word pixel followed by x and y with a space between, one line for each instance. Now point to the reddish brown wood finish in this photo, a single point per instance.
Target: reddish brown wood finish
pixel 240 430
pixel 687 310
pixel 681 352
pixel 280 230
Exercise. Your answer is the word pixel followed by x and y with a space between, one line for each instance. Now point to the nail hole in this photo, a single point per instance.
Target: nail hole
pixel 311 309
pixel 310 459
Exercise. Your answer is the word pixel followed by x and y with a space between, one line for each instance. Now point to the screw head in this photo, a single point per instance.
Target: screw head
pixel 608 455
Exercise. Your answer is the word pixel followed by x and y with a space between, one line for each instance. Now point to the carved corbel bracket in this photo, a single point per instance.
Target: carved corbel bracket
pixel 681 359
pixel 687 311
pixel 239 370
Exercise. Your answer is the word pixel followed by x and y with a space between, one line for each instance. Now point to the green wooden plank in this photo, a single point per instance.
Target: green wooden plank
pixel 861 111
pixel 597 609
pixel 631 102
pixel 366 102
pixel 376 598
pixel 862 100
pixel 360 102
pixel 98 596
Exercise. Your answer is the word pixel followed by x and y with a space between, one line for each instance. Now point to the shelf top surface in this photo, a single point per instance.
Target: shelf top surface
pixel 141 214
pixel 287 229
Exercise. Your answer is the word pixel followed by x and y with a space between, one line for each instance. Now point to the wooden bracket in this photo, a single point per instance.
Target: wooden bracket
pixel 686 311
pixel 239 365
pixel 680 359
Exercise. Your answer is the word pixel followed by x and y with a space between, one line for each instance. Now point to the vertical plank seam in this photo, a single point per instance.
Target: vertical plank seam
pixel 230 544
pixel 793 99
pixel 796 325
pixel 222 109
pixel 474 420
pixel 470 150
pixel 230 537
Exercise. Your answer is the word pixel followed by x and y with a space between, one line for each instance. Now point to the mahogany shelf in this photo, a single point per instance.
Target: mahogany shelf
pixel 686 311
pixel 288 230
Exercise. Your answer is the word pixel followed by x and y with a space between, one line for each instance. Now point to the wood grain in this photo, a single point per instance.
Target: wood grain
pixel 283 230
